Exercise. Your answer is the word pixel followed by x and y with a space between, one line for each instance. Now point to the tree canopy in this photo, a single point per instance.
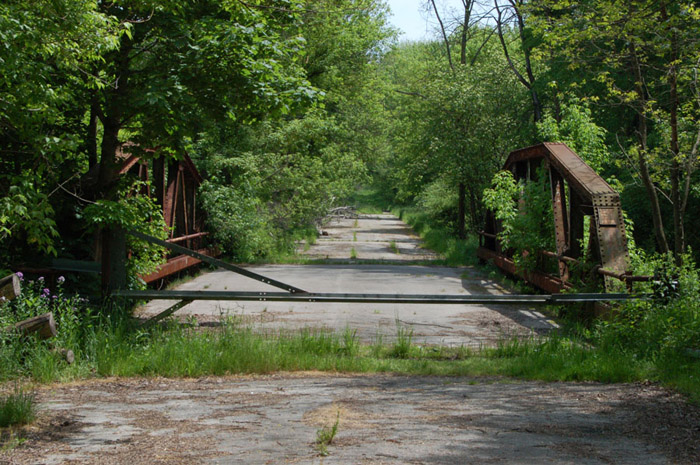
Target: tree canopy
pixel 288 106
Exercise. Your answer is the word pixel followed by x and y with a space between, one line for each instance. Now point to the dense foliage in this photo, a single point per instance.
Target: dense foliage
pixel 266 97
pixel 287 106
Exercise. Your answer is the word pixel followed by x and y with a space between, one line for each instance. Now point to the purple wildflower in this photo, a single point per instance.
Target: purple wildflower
pixel 46 292
pixel 20 275
pixel 61 280
pixel 41 279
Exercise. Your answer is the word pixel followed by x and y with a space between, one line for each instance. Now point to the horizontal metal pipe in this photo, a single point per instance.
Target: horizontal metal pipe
pixel 485 234
pixel 624 276
pixel 375 298
pixel 186 238
pixel 563 258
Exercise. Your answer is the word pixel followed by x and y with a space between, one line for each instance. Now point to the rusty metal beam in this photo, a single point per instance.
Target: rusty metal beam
pixel 166 313
pixel 546 282
pixel 187 238
pixel 176 264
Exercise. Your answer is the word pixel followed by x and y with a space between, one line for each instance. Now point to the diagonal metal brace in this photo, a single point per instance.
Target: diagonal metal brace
pixel 166 313
pixel 217 262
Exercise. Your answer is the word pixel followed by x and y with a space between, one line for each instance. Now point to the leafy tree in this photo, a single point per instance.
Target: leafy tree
pixel 577 129
pixel 48 48
pixel 456 123
pixel 184 63
pixel 644 53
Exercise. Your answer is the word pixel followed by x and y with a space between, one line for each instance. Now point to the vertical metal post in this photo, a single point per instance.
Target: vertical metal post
pixel 560 220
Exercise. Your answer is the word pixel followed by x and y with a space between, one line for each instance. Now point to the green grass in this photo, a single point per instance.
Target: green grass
pixel 394 248
pixel 325 436
pixel 353 253
pixel 18 408
pixel 403 343
pixel 456 252
pixel 184 351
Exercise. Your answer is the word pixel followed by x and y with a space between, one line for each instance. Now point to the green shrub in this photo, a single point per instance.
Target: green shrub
pixel 133 212
pixel 665 327
pixel 239 221
pixel 525 212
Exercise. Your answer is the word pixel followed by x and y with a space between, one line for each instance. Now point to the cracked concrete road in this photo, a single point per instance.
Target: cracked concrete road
pixel 454 325
pixel 373 237
pixel 382 419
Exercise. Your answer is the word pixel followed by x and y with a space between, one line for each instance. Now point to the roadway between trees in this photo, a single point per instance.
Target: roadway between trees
pixel 384 249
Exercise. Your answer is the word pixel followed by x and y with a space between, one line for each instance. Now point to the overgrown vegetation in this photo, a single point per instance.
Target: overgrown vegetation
pixel 325 436
pixel 648 341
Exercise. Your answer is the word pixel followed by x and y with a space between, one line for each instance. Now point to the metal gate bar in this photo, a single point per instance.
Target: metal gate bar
pixel 378 298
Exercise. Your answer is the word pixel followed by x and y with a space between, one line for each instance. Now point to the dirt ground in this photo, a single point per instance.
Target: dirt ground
pixel 382 419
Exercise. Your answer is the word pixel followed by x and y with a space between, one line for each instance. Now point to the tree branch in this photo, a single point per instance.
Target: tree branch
pixel 499 23
pixel 444 34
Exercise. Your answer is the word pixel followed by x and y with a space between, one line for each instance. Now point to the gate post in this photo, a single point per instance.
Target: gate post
pixel 113 260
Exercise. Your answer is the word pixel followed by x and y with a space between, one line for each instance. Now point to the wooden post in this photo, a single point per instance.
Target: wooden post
pixel 10 287
pixel 113 260
pixel 44 325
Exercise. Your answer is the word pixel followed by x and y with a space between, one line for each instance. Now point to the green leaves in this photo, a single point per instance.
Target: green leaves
pixel 579 131
pixel 24 209
pixel 525 214
pixel 138 213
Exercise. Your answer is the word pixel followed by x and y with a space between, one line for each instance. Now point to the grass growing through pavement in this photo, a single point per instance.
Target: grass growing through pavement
pixel 394 248
pixel 186 352
pixel 18 408
pixel 117 348
pixel 325 436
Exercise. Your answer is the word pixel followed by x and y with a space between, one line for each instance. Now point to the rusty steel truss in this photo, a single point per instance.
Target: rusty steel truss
pixel 174 184
pixel 579 197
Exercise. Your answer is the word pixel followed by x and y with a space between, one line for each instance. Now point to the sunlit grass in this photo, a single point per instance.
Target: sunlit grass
pixel 185 351
pixel 455 252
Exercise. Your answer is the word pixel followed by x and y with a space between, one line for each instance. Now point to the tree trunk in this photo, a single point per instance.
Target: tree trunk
pixel 113 260
pixel 656 217
pixel 461 229
pixel 444 35
pixel 473 210
pixel 527 51
pixel 112 118
pixel 678 229
pixel 465 26
pixel 92 134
